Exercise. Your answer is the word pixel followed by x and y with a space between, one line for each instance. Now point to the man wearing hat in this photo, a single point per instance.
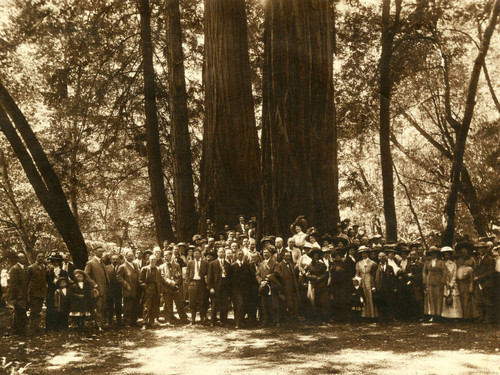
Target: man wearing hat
pixel 37 289
pixel 96 270
pixel 53 274
pixel 484 284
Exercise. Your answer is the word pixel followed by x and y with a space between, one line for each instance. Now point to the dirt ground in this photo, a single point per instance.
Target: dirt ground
pixel 364 348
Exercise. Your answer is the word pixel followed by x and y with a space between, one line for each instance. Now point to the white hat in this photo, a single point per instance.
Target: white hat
pixel 444 249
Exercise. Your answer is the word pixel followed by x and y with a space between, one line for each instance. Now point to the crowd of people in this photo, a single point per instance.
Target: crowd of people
pixel 314 277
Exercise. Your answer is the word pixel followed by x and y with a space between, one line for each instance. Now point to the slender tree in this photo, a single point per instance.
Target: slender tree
pixel 41 175
pixel 298 135
pixel 161 214
pixel 183 172
pixel 389 30
pixel 461 137
pixel 230 174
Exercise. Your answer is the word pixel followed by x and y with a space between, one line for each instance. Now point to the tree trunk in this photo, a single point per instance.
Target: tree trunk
pixel 42 177
pixel 159 202
pixel 298 136
pixel 230 173
pixel 461 138
pixel 181 147
pixel 388 32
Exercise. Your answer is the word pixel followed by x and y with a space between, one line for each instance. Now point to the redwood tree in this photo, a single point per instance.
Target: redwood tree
pixel 41 175
pixel 298 136
pixel 461 137
pixel 389 30
pixel 161 215
pixel 183 172
pixel 230 174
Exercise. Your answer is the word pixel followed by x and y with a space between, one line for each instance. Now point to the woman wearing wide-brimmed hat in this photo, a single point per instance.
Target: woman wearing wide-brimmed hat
pixel 317 293
pixel 452 307
pixel 465 275
pixel 434 279
pixel 298 229
pixel 365 269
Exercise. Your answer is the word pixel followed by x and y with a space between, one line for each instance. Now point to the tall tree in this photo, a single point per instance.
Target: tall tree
pixel 298 135
pixel 230 174
pixel 464 126
pixel 161 214
pixel 183 172
pixel 41 175
pixel 389 30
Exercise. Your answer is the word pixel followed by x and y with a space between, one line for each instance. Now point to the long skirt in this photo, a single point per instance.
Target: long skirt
pixel 369 309
pixel 434 300
pixel 466 299
pixel 455 310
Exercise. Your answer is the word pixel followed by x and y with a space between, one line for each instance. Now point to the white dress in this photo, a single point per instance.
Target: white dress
pixel 455 310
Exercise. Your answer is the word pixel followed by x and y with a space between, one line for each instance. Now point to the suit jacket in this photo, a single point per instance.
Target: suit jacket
pixel 214 279
pixel 203 271
pixel 241 277
pixel 268 272
pixel 289 279
pixel 484 271
pixel 96 270
pixel 240 228
pixel 37 280
pixel 128 278
pixel 151 281
pixel 385 282
pixel 115 288
pixel 18 285
pixel 171 274
pixel 280 254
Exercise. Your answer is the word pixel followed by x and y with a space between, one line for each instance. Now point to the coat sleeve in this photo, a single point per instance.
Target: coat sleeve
pixel 121 277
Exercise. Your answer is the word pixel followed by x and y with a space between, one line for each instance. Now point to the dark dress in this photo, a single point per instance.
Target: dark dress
pixel 341 282
pixel 318 293
pixel 80 299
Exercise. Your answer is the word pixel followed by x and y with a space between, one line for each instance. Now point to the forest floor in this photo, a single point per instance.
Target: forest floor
pixel 364 348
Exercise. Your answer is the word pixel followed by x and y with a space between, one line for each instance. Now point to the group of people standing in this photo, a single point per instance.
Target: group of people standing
pixel 316 277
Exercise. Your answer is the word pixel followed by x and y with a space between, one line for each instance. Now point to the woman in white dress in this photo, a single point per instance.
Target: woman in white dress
pixel 365 269
pixel 453 310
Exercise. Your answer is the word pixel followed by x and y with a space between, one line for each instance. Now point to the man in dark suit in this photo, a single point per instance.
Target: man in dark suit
pixel 18 293
pixel 151 282
pixel 385 289
pixel 96 270
pixel 240 228
pixel 37 289
pixel 114 298
pixel 68 266
pixel 197 271
pixel 289 276
pixel 269 289
pixel 219 286
pixel 128 277
pixel 240 282
pixel 484 284
pixel 253 300
pixel 280 249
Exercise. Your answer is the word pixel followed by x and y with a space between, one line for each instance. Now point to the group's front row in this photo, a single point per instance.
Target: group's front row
pixel 267 288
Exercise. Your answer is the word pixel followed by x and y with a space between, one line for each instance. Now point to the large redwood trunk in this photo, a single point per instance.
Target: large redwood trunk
pixel 161 215
pixel 186 221
pixel 230 173
pixel 298 136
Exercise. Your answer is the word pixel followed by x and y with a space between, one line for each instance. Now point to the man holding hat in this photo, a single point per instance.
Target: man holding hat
pixel 484 284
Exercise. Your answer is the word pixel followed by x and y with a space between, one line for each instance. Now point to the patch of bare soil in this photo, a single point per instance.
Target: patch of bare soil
pixel 453 348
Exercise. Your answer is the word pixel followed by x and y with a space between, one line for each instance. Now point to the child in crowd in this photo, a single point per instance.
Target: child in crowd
pixel 357 299
pixel 62 303
pixel 81 299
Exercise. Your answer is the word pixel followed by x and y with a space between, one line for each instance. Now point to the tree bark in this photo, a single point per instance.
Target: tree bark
pixel 461 138
pixel 41 175
pixel 161 215
pixel 181 148
pixel 230 172
pixel 389 30
pixel 298 136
